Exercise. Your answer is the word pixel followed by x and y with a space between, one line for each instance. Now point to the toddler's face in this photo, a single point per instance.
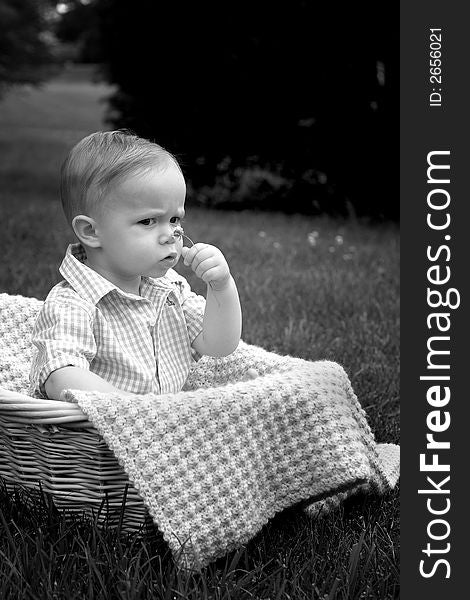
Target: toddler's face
pixel 136 226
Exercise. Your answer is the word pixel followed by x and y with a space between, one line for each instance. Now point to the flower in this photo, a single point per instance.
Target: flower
pixel 339 239
pixel 312 238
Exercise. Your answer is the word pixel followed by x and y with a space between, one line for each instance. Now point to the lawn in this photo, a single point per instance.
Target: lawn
pixel 310 287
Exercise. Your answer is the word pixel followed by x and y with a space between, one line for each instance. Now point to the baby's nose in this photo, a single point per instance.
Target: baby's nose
pixel 167 238
pixel 170 237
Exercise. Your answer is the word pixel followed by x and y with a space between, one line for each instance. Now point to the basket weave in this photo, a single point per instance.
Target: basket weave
pixel 50 443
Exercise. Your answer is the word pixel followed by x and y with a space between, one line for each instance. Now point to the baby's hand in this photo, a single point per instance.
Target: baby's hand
pixel 208 263
pixel 250 374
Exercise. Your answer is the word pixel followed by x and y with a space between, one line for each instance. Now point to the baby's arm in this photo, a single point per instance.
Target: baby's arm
pixel 222 322
pixel 76 378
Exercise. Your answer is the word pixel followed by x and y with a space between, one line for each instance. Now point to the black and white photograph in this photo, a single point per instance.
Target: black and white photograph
pixel 211 280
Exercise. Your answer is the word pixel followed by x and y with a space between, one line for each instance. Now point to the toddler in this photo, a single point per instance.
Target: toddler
pixel 122 319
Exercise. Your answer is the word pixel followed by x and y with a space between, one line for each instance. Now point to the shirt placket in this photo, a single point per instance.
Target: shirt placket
pixel 156 341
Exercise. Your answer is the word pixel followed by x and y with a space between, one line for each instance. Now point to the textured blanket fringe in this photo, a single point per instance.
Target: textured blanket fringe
pixel 213 465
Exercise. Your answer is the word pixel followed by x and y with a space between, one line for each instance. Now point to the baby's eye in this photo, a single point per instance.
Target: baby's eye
pixel 175 220
pixel 147 222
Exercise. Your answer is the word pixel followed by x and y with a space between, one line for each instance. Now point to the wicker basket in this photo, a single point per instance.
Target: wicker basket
pixel 51 444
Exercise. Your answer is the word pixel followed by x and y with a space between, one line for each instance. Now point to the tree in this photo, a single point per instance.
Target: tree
pixel 78 25
pixel 25 48
pixel 307 90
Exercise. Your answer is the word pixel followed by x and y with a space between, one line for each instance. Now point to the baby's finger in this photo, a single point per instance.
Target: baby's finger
pixel 214 274
pixel 203 255
pixel 249 375
pixel 205 265
pixel 192 252
pixel 252 373
pixel 206 252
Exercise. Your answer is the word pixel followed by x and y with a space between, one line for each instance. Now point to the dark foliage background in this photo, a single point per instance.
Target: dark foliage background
pixel 26 55
pixel 290 106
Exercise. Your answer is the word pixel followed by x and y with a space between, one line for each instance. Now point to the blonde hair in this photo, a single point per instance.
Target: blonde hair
pixel 101 160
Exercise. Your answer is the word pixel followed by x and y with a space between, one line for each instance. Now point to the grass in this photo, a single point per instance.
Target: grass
pixel 331 294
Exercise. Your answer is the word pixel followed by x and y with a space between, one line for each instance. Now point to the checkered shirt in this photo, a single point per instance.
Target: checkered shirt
pixel 139 344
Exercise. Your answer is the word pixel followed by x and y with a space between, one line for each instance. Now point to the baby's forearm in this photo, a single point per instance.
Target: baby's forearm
pixel 222 325
pixel 77 379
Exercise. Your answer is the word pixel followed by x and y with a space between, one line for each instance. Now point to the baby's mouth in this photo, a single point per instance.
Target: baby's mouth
pixel 170 257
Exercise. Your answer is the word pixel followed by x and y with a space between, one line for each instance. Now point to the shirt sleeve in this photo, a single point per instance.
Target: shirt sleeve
pixel 62 336
pixel 193 306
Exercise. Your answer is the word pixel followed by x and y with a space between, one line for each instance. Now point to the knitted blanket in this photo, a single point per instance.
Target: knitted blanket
pixel 216 461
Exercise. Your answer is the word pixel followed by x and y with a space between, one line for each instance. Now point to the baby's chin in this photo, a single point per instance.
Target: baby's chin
pixel 161 269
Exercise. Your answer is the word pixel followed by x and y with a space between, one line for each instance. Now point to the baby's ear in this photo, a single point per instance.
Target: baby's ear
pixel 85 229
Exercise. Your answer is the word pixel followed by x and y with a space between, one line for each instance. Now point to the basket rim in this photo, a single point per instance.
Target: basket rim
pixel 21 408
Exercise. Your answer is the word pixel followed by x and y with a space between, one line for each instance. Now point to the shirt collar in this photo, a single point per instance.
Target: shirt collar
pixel 92 286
